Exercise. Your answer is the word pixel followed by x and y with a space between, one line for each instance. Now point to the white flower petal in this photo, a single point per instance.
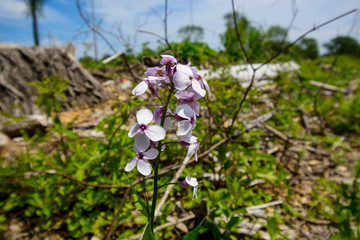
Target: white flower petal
pixel 142 142
pixel 152 153
pixel 144 167
pixel 184 69
pixel 131 164
pixel 182 77
pixel 197 88
pixel 181 81
pixel 192 149
pixel 155 132
pixel 140 88
pixel 155 80
pixel 205 84
pixel 196 107
pixel 196 95
pixel 193 139
pixel 133 130
pixel 195 192
pixel 184 127
pixel 191 181
pixel 185 111
pixel 144 116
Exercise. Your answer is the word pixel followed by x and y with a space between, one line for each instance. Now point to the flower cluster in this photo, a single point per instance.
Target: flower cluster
pixel 190 86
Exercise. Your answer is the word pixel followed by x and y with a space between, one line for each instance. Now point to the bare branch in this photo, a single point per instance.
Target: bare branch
pixel 304 35
pixel 247 59
pixel 109 231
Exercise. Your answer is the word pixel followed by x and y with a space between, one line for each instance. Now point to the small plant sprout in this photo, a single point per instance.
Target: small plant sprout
pixel 144 132
pixel 189 181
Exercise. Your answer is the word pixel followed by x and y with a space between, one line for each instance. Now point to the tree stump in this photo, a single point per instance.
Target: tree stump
pixel 19 65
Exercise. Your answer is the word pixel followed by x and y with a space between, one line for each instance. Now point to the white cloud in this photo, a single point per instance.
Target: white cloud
pixel 17 10
pixel 12 9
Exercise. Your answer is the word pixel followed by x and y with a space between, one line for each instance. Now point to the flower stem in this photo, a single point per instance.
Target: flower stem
pixel 156 169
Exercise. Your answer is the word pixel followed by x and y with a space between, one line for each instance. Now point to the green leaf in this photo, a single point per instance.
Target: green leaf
pixel 291 210
pixel 80 174
pixel 148 235
pixel 194 233
pixel 233 221
pixel 270 176
pixel 272 227
pixel 140 205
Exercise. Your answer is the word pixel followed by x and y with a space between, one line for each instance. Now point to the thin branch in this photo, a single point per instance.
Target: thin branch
pixel 165 39
pixel 273 57
pixel 165 20
pixel 52 172
pixel 161 172
pixel 241 103
pixel 108 233
pixel 151 33
pixel 110 142
pixel 247 59
pixel 93 28
pixel 304 35
pixel 170 187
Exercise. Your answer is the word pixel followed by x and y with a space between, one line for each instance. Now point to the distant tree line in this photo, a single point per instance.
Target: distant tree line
pixel 260 44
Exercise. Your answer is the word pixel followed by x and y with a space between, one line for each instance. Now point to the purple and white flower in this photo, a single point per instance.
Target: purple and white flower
pixel 144 132
pixel 141 160
pixel 167 59
pixel 187 119
pixel 158 72
pixel 184 77
pixel 189 97
pixel 199 77
pixel 158 114
pixel 150 82
pixel 192 143
pixel 189 181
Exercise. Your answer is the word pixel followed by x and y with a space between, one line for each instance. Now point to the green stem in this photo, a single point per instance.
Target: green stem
pixel 156 169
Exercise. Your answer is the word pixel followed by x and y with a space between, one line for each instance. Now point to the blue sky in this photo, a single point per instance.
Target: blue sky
pixel 62 22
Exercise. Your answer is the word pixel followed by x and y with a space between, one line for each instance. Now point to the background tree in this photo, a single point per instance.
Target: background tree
pixel 192 33
pixel 277 34
pixel 276 37
pixel 34 8
pixel 343 45
pixel 251 36
pixel 309 48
